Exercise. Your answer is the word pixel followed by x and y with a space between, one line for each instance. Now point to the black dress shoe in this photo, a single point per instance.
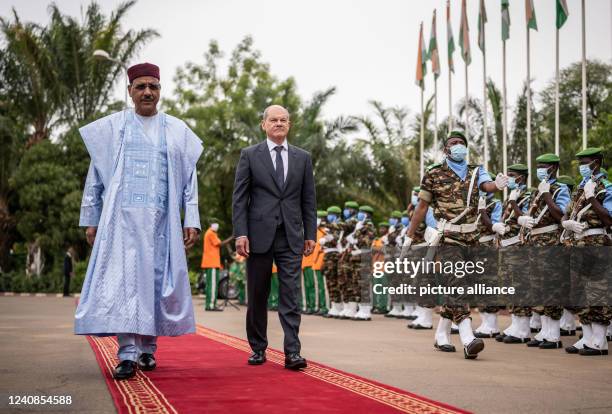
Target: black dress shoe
pixel 566 332
pixel 572 349
pixel 418 326
pixel 295 362
pixel 534 330
pixel 486 335
pixel 125 370
pixel 500 337
pixel 551 345
pixel 321 312
pixel 454 331
pixel 445 347
pixel 534 343
pixel 411 317
pixel 471 350
pixel 509 339
pixel 215 309
pixel 146 362
pixel 586 351
pixel 258 358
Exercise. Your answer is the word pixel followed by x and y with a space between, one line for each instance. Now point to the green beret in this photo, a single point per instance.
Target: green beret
pixel 366 209
pixel 567 180
pixel 457 134
pixel 416 188
pixel 383 224
pixel 548 158
pixel 321 213
pixel 396 214
pixel 351 204
pixel 590 152
pixel 334 210
pixel 521 168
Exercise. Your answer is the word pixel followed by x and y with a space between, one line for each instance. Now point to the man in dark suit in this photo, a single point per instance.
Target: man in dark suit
pixel 274 217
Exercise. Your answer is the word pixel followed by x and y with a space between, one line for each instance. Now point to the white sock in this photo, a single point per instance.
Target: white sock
pixel 465 332
pixel 443 331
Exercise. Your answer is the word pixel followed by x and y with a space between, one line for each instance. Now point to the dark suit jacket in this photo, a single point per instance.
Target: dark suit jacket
pixel 258 202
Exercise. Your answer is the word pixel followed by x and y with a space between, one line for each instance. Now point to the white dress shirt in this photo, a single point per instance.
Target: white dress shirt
pixel 284 155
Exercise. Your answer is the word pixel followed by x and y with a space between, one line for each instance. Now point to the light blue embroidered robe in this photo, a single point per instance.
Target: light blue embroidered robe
pixel 136 188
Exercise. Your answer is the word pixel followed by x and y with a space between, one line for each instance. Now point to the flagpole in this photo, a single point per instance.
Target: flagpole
pixel 505 117
pixel 465 111
pixel 435 113
pixel 584 83
pixel 557 92
pixel 450 100
pixel 422 143
pixel 528 110
pixel 484 106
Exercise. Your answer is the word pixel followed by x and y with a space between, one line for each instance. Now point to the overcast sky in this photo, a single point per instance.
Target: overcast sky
pixel 366 48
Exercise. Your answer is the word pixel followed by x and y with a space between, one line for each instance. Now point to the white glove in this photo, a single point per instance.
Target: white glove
pixel 398 240
pixel 499 228
pixel 385 239
pixel 526 221
pixel 574 226
pixel 544 187
pixel 501 181
pixel 359 225
pixel 351 240
pixel 322 241
pixel 589 189
pixel 482 203
pixel 391 229
pixel 514 194
pixel 404 231
pixel 407 242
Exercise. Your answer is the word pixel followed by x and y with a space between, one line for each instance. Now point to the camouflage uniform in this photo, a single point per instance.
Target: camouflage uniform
pixel 447 195
pixel 330 261
pixel 347 288
pixel 365 236
pixel 585 267
pixel 488 242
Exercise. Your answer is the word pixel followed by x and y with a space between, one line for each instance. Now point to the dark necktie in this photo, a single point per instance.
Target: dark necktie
pixel 280 169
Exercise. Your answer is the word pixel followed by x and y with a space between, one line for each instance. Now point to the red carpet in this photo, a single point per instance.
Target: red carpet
pixel 208 373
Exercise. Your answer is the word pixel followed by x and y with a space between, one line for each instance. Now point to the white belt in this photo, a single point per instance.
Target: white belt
pixel 509 242
pixel 357 252
pixel 486 238
pixel 457 228
pixel 545 229
pixel 421 244
pixel 590 232
pixel 331 250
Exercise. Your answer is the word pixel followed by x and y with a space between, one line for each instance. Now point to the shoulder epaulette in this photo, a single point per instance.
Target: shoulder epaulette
pixel 432 166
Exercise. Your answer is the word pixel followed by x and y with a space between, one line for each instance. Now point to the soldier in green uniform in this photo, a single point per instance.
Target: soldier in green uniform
pixel 391 247
pixel 512 259
pixel 330 244
pixel 360 242
pixel 543 228
pixel 588 225
pixel 451 187
pixel 348 288
pixel 380 301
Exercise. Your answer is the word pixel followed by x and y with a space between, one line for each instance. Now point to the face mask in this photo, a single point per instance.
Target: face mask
pixel 458 152
pixel 392 221
pixel 511 183
pixel 361 216
pixel 585 170
pixel 414 200
pixel 405 221
pixel 318 222
pixel 214 226
pixel 542 174
pixel 331 218
pixel 346 213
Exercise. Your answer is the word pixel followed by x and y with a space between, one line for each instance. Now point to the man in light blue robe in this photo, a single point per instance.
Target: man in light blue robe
pixel 141 177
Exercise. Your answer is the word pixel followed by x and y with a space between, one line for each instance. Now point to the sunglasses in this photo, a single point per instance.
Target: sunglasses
pixel 143 86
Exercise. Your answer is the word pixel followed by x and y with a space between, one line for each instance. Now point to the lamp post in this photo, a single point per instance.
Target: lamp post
pixel 103 55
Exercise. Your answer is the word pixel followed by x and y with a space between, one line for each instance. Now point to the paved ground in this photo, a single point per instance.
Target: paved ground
pixel 41 356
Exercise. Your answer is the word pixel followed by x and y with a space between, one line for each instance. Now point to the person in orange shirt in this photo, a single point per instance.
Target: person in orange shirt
pixel 211 263
pixel 380 301
pixel 273 296
pixel 321 294
pixel 308 300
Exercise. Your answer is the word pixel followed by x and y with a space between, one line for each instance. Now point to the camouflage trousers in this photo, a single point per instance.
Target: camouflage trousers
pixel 330 270
pixel 348 275
pixel 553 312
pixel 521 311
pixel 595 314
pixel 490 309
pixel 456 310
